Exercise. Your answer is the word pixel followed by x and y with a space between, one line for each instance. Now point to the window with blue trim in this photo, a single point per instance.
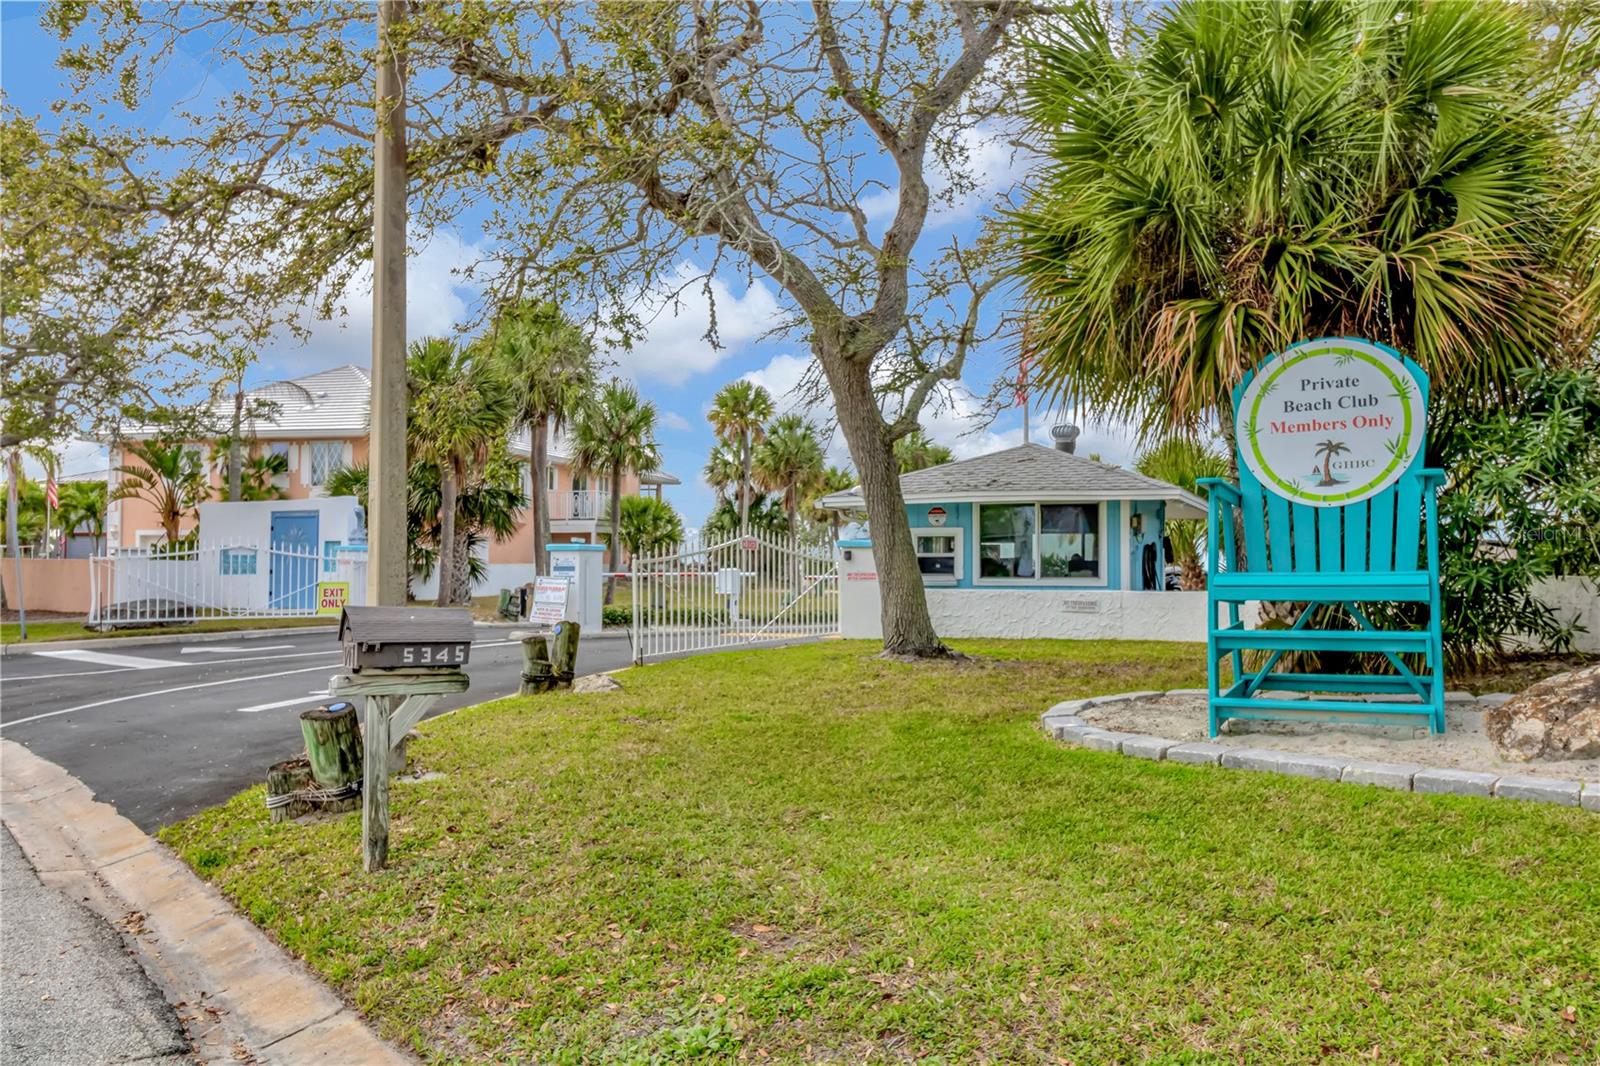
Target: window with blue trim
pixel 330 556
pixel 237 562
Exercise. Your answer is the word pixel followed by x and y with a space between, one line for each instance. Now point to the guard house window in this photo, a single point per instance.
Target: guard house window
pixel 1069 541
pixel 330 556
pixel 1005 539
pixel 238 561
pixel 326 456
pixel 938 555
pixel 1030 541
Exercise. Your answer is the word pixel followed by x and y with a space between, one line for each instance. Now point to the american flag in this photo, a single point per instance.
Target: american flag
pixel 50 493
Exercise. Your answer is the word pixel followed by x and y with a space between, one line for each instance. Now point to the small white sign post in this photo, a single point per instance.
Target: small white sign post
pixel 1333 422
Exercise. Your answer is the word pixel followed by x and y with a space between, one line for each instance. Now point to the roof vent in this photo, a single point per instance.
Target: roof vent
pixel 1066 437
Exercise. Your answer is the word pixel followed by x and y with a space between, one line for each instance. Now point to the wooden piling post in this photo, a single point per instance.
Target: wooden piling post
pixel 285 778
pixel 564 652
pixel 333 744
pixel 537 673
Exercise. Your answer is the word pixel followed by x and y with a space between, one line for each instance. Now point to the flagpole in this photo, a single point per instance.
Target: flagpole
pixel 16 550
pixel 49 500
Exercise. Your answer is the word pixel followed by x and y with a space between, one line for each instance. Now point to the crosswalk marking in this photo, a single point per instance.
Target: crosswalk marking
pixel 101 658
pixel 284 703
pixel 229 649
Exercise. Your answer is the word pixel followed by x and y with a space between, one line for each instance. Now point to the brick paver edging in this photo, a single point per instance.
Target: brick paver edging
pixel 1063 722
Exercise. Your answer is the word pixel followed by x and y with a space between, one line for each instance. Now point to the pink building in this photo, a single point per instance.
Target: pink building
pixel 319 423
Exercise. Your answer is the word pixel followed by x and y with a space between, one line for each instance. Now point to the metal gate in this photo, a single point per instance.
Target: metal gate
pixel 752 589
pixel 186 583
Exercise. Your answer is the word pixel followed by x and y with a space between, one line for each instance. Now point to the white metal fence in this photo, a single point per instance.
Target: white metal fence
pixel 194 583
pixel 745 590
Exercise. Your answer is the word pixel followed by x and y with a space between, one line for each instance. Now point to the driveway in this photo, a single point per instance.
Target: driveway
pixel 164 730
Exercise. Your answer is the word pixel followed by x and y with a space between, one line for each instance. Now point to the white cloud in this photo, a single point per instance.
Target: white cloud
pixel 673 420
pixel 437 301
pixel 782 377
pixel 73 457
pixel 674 347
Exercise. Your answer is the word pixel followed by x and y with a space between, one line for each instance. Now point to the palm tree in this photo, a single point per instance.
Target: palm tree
pixel 611 436
pixel 789 460
pixel 169 476
pixel 1252 173
pixel 549 362
pixel 739 413
pixel 489 505
pixel 723 472
pixel 649 526
pixel 460 408
pixel 834 479
pixel 917 451
pixel 766 516
pixel 83 505
pixel 1183 461
pixel 1327 450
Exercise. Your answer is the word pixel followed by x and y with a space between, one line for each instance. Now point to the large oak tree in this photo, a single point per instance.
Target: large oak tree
pixel 608 143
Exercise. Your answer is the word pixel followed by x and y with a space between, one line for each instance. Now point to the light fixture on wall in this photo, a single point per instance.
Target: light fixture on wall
pixel 1136 524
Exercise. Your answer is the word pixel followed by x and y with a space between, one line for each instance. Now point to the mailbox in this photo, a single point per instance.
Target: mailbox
pixel 405 638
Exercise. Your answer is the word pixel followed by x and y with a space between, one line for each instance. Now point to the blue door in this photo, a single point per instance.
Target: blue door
pixel 295 557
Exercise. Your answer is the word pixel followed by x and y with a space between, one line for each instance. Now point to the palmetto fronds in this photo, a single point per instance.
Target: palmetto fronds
pixel 1257 172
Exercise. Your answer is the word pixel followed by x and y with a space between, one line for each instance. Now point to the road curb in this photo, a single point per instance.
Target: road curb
pixel 242 996
pixel 176 634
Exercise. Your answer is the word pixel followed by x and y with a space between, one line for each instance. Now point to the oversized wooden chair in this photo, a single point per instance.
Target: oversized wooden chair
pixel 1334 506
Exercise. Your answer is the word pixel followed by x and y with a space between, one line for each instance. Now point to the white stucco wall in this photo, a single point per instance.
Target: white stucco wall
pixel 1066 614
pixel 1573 599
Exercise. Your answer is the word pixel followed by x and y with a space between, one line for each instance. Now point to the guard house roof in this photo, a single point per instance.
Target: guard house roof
pixel 1030 472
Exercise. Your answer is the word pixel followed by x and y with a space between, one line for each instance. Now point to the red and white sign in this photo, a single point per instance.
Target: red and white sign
pixel 937 516
pixel 862 575
pixel 549 600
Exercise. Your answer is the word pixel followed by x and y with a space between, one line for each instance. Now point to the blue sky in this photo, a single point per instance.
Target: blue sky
pixel 673 365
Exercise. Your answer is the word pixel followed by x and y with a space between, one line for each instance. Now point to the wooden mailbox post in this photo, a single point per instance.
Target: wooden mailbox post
pixel 398 661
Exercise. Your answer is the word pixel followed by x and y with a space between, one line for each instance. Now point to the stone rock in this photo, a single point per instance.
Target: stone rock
pixel 596 683
pixel 1558 718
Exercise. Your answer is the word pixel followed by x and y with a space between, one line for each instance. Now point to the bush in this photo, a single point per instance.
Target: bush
pixel 613 615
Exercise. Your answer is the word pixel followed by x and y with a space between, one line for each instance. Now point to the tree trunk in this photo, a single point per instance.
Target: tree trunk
pixel 447 532
pixel 539 498
pixel 461 568
pixel 907 627
pixel 333 745
pixel 614 543
pixel 236 449
pixel 745 457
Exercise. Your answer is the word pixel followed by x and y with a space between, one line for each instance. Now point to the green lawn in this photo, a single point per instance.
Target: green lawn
pixel 813 854
pixel 40 632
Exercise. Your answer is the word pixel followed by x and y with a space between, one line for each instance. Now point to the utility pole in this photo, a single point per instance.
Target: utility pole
pixel 386 469
pixel 11 539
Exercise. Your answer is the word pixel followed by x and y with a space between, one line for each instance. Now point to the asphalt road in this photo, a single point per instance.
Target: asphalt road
pixel 164 730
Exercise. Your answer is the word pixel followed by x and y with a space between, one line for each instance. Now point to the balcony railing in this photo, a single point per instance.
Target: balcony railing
pixel 579 504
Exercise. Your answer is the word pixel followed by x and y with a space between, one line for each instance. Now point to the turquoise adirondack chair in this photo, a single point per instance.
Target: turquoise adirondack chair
pixel 1383 547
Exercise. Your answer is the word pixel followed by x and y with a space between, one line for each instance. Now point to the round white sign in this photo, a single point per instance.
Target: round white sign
pixel 1330 422
pixel 937 516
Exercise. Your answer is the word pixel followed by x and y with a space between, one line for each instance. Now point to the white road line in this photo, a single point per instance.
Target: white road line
pixel 229 649
pixel 322 695
pixel 161 692
pixel 129 662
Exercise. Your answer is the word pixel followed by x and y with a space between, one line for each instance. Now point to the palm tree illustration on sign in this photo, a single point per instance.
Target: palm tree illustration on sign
pixel 1326 451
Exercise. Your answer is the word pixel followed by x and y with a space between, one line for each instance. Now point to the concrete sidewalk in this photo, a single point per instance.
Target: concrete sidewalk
pixel 241 997
pixel 70 991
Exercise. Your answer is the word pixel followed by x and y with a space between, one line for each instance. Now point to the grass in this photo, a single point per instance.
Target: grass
pixel 41 632
pixel 810 853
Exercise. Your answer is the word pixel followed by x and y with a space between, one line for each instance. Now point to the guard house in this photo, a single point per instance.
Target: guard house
pixel 1033 542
